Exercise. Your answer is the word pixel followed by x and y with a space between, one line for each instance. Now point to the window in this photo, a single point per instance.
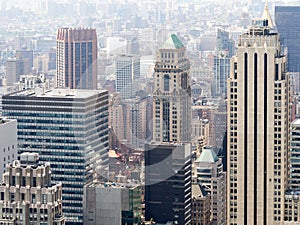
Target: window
pixel 166 82
pixel 33 198
pixel 44 199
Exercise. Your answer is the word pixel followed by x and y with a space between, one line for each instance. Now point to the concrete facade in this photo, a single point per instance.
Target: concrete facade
pixel 8 142
pixel 112 203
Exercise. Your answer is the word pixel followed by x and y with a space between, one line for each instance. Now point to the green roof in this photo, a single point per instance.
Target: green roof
pixel 208 155
pixel 172 43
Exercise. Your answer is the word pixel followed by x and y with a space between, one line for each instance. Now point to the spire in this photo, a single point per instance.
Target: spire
pixel 267 16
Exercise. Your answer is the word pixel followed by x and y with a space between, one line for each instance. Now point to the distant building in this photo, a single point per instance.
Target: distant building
pixel 127 70
pixel 221 74
pixel 224 51
pixel 76 57
pixel 8 142
pixel 112 203
pixel 27 194
pixel 210 175
pixel 69 129
pixel 26 55
pixel 225 43
pixel 15 68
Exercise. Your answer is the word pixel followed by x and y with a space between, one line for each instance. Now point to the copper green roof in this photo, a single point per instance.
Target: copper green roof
pixel 172 43
pixel 208 155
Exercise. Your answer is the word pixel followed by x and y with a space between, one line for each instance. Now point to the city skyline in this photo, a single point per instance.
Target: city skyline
pixel 168 112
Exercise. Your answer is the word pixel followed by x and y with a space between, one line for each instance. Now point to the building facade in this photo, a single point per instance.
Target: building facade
pixel 127 70
pixel 69 129
pixel 8 142
pixel 76 58
pixel 168 183
pixel 27 194
pixel 258 124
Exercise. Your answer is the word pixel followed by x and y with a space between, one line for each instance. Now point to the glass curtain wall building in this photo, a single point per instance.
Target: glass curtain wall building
pixel 69 129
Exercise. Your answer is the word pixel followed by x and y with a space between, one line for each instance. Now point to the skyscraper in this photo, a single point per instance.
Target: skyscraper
pixel 172 94
pixel 224 51
pixel 287 19
pixel 127 69
pixel 76 58
pixel 168 156
pixel 258 127
pixel 69 129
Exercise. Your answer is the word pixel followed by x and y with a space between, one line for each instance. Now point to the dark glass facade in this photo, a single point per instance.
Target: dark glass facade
pixel 287 19
pixel 168 183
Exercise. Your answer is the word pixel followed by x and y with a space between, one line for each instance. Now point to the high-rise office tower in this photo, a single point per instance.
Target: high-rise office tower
pixel 76 58
pixel 27 194
pixel 258 127
pixel 69 129
pixel 221 74
pixel 224 51
pixel 287 19
pixel 171 95
pixel 168 157
pixel 127 69
pixel 224 43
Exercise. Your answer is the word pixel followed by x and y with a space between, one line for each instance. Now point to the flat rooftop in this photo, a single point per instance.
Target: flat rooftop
pixel 4 120
pixel 58 93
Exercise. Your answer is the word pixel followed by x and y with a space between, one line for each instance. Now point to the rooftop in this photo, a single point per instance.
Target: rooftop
pixel 172 43
pixel 4 120
pixel 57 93
pixel 198 191
pixel 208 155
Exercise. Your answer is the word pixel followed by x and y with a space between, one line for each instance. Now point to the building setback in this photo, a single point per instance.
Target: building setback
pixel 69 129
pixel 27 195
pixel 76 58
